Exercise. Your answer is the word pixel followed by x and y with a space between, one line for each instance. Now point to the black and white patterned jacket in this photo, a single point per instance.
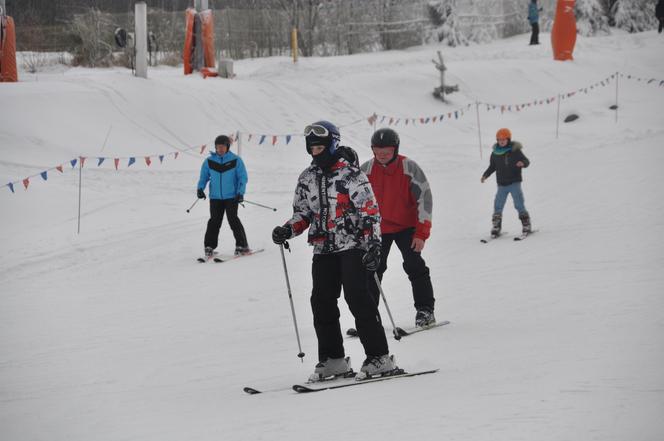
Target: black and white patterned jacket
pixel 338 206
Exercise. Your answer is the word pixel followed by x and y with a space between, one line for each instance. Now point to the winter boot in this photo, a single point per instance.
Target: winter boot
pixel 209 252
pixel 242 250
pixel 377 365
pixel 525 221
pixel 424 318
pixel 497 222
pixel 332 367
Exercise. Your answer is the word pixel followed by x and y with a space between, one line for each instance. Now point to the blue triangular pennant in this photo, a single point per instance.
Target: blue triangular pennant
pixel 73 162
pixel 288 138
pixel 131 161
pixel 100 161
pixel 44 175
pixel 262 139
pixel 11 187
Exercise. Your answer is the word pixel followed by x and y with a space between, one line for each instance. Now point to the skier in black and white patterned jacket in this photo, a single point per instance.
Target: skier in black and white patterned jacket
pixel 334 200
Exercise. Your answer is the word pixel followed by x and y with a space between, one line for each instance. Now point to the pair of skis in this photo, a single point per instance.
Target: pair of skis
pixel 352 332
pixel 218 258
pixel 336 384
pixel 522 236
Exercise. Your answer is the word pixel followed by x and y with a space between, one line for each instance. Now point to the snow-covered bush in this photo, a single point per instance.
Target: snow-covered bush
pixel 444 15
pixel 634 15
pixel 591 18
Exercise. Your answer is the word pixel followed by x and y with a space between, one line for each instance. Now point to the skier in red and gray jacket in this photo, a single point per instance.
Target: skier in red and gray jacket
pixel 405 203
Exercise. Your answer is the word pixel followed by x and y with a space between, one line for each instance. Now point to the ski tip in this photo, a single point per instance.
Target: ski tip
pixel 251 390
pixel 200 260
pixel 302 389
pixel 352 332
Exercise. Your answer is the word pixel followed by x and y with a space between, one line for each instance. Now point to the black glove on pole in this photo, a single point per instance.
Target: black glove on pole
pixel 200 193
pixel 281 234
pixel 371 258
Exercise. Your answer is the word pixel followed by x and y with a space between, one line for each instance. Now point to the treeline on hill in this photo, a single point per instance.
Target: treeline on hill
pixel 243 28
pixel 258 28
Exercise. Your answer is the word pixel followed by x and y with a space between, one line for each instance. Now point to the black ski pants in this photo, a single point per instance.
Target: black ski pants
pixel 330 273
pixel 534 35
pixel 413 264
pixel 217 209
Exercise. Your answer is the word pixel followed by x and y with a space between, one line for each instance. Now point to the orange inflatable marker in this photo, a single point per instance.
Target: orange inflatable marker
pixel 563 32
pixel 8 71
pixel 188 53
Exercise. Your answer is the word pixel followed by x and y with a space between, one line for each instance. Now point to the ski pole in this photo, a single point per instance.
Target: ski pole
pixel 260 205
pixel 290 298
pixel 192 205
pixel 397 335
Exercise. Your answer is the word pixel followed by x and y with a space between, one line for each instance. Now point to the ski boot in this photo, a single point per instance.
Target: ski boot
pixel 496 221
pixel 424 319
pixel 331 368
pixel 525 222
pixel 241 251
pixel 378 366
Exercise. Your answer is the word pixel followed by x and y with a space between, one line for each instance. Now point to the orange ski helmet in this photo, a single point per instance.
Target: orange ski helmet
pixel 504 134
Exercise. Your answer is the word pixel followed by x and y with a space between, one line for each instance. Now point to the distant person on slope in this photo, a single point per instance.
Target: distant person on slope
pixel 227 176
pixel 533 19
pixel 405 202
pixel 507 160
pixel 333 199
pixel 659 13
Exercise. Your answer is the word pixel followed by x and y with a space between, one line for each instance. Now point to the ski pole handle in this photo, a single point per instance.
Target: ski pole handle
pixel 260 205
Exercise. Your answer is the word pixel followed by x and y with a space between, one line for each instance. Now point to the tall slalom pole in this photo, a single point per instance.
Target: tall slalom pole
pixel 479 132
pixel 80 179
pixel 290 298
pixel 617 76
pixel 558 117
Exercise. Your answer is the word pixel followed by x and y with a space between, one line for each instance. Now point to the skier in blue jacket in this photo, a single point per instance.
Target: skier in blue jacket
pixel 227 176
pixel 533 19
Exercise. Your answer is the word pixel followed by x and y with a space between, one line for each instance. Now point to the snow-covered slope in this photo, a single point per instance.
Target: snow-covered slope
pixel 117 333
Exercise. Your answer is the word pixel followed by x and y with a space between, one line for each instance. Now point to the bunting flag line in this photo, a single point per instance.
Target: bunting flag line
pixel 371 119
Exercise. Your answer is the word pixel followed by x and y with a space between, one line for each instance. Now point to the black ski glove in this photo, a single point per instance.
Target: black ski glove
pixel 281 234
pixel 200 193
pixel 371 258
pixel 239 198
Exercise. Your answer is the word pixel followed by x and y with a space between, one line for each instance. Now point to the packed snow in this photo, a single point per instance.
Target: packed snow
pixel 117 333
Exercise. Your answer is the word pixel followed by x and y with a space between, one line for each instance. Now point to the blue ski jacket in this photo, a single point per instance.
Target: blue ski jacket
pixel 226 174
pixel 533 13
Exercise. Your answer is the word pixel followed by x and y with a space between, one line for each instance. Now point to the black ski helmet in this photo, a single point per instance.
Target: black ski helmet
pixel 386 137
pixel 222 140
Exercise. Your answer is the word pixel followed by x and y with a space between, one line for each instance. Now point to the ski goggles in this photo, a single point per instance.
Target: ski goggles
pixel 317 130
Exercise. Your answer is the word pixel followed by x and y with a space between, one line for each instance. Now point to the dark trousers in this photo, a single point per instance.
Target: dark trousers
pixel 534 36
pixel 217 209
pixel 661 24
pixel 413 264
pixel 330 273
